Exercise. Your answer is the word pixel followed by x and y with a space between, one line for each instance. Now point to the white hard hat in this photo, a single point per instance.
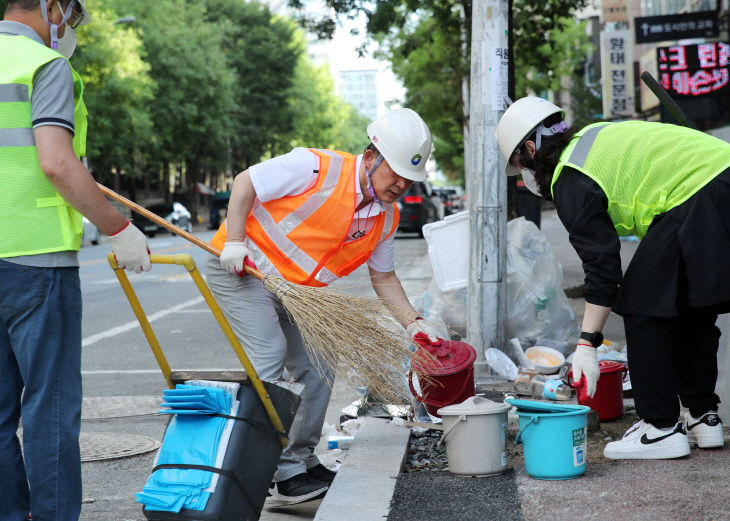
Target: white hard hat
pixel 519 121
pixel 404 140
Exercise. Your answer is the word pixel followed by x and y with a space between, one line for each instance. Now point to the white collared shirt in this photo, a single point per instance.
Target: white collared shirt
pixel 295 172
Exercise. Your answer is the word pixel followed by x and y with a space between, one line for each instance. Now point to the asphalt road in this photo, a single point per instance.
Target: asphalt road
pixel 122 379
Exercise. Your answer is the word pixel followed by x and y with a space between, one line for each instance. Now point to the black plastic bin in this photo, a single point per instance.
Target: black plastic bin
pixel 250 462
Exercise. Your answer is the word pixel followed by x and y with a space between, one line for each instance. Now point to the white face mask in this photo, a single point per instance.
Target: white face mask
pixel 528 176
pixel 67 44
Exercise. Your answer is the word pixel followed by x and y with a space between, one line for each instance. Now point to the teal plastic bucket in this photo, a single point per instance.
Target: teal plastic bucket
pixel 553 438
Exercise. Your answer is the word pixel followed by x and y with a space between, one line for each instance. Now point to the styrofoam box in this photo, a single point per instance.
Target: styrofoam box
pixel 448 250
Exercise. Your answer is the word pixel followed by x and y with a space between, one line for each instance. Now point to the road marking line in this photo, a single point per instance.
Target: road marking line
pixel 89 340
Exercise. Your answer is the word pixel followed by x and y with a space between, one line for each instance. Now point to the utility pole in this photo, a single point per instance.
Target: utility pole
pixel 486 182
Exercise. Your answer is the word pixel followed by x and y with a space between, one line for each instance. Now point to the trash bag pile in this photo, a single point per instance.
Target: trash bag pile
pixel 538 311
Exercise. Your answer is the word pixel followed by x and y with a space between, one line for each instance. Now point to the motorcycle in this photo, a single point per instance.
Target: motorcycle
pixel 181 217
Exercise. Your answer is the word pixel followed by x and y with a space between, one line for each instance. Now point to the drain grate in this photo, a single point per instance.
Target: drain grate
pixel 98 446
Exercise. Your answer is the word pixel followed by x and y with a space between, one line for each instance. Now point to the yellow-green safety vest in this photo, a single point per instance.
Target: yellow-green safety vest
pixel 34 218
pixel 644 168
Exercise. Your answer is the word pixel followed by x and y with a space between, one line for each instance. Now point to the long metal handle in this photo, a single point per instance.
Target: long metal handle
pixel 666 100
pixel 171 227
pixel 187 261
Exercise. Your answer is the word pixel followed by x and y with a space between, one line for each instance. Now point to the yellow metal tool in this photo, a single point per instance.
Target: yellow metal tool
pixel 187 261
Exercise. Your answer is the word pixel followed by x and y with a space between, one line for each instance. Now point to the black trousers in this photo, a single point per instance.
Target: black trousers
pixel 671 358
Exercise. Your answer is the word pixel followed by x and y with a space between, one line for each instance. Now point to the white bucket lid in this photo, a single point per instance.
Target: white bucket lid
pixel 472 406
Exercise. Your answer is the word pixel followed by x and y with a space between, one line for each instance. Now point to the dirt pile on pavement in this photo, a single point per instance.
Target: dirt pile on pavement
pixel 424 452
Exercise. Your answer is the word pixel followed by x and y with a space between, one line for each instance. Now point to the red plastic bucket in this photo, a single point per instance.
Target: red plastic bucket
pixel 608 401
pixel 448 370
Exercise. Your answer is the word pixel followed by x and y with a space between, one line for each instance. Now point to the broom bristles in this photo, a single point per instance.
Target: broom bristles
pixel 354 332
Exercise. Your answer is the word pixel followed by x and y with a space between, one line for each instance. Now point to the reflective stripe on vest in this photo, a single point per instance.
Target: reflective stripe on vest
pixel 644 168
pixel 582 147
pixel 34 218
pixel 321 256
pixel 279 233
pixel 17 137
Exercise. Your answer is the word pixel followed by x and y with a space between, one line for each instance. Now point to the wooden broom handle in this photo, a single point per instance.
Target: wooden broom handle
pixel 174 229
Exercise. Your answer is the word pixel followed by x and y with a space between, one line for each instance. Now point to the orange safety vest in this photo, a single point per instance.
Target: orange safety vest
pixel 304 235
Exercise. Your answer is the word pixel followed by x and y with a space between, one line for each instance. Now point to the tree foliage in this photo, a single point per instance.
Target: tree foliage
pixel 117 90
pixel 191 107
pixel 190 90
pixel 428 42
pixel 262 52
pixel 426 58
pixel 323 119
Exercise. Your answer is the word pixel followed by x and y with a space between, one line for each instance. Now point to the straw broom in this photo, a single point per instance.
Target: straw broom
pixel 358 332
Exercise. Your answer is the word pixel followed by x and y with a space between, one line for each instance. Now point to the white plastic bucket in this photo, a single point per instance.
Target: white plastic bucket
pixel 475 433
pixel 448 250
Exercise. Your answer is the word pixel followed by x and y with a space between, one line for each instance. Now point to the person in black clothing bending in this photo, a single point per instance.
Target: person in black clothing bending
pixel 670 186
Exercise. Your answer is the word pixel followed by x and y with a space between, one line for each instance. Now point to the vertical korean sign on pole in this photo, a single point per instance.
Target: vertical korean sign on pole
pixel 486 182
pixel 617 70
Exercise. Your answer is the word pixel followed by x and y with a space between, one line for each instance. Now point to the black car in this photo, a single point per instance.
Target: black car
pixel 218 209
pixel 418 206
pixel 149 227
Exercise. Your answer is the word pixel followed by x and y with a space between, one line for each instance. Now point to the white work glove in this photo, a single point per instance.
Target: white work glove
pixel 131 249
pixel 421 326
pixel 585 363
pixel 234 255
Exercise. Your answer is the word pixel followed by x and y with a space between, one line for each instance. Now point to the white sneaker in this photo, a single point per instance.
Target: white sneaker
pixel 644 441
pixel 705 431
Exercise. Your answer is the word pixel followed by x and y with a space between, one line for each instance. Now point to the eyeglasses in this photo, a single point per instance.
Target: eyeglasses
pixel 77 16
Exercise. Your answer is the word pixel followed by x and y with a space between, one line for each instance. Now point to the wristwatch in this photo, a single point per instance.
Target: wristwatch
pixel 596 339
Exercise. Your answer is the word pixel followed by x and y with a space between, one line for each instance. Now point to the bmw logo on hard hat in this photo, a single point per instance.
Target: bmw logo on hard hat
pixel 416 159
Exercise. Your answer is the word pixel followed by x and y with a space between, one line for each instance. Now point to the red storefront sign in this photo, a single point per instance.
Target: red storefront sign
pixel 694 70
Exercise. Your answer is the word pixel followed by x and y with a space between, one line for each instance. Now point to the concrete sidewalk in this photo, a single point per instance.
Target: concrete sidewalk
pixel 695 487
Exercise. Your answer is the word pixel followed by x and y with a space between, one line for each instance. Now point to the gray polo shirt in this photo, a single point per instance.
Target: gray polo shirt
pixel 52 103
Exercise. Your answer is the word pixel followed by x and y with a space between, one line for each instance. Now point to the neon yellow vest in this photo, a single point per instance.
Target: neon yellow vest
pixel 34 218
pixel 644 168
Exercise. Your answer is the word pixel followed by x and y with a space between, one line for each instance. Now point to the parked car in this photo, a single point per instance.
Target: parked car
pixel 445 200
pixel 453 197
pixel 419 206
pixel 219 209
pixel 176 213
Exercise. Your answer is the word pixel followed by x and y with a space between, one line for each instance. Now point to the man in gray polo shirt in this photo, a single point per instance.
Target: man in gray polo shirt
pixel 44 190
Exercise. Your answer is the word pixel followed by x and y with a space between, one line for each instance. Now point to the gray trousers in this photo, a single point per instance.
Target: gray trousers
pixel 273 343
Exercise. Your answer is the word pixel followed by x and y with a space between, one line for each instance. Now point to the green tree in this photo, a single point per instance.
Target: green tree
pixel 262 53
pixel 428 42
pixel 321 118
pixel 117 89
pixel 117 92
pixel 560 55
pixel 192 105
pixel 423 58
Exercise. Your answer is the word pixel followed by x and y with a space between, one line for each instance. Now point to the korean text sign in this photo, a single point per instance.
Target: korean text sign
pixel 694 70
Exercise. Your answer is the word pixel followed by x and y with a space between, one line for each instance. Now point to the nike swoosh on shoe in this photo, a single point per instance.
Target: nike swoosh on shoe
pixel 710 420
pixel 645 440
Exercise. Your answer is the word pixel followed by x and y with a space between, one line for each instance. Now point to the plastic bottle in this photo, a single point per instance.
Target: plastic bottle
pixel 552 388
pixel 524 379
